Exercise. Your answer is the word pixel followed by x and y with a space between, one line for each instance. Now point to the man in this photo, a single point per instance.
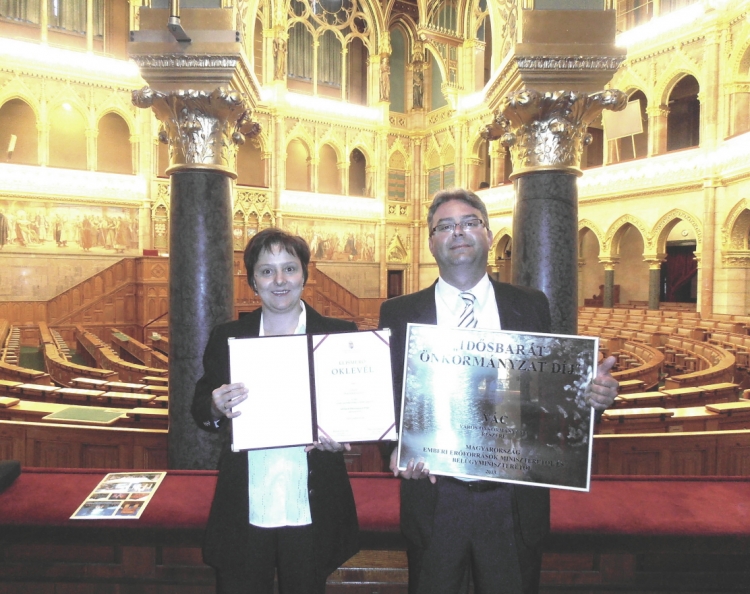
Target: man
pixel 494 529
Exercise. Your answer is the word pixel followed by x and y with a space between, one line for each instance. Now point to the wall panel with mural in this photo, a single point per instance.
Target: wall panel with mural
pixel 29 226
pixel 336 241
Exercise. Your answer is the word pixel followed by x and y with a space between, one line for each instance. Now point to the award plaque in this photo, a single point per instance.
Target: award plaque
pixel 498 405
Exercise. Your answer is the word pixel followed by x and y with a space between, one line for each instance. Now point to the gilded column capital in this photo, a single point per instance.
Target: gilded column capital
pixel 654 262
pixel 200 127
pixel 609 263
pixel 655 111
pixel 547 131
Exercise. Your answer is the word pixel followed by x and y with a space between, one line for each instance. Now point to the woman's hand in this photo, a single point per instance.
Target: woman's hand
pixel 224 398
pixel 326 444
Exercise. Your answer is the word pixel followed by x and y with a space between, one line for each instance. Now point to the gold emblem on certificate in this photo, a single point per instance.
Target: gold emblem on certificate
pixel 499 405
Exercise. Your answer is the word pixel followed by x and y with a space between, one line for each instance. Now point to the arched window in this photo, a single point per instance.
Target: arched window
pixel 67 138
pixel 683 121
pixel 329 178
pixel 445 16
pixel 297 166
pixel 113 149
pixel 438 99
pixel 357 174
pixel 258 50
pixel 329 65
pixel 319 32
pixel 18 119
pixel 300 52
pixel 484 33
pixel 357 72
pixel 398 71
pixel 70 15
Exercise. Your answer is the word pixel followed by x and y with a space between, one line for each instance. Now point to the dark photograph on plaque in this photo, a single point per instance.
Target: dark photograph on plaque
pixel 499 405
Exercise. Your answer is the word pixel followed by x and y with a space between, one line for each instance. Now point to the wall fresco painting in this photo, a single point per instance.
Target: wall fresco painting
pixel 334 241
pixel 28 226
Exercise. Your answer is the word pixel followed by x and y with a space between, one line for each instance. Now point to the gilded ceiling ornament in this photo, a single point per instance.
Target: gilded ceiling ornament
pixel 547 131
pixel 200 127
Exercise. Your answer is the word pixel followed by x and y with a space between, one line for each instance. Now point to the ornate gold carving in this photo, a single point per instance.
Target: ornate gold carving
pixel 184 61
pixel 547 131
pixel 598 63
pixel 735 259
pixel 397 250
pixel 736 227
pixel 659 236
pixel 200 127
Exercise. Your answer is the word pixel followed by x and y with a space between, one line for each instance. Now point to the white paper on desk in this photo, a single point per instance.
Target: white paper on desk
pixel 278 411
pixel 353 386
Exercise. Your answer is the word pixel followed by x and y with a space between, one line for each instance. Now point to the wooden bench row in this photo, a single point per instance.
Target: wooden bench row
pixel 637 361
pixel 724 416
pixel 692 396
pixel 127 346
pixel 51 413
pixel 106 358
pixel 703 363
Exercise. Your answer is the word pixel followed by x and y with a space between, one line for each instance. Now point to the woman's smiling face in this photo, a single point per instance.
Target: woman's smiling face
pixel 278 279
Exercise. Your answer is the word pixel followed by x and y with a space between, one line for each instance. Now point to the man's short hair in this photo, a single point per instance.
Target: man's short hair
pixel 466 196
pixel 270 238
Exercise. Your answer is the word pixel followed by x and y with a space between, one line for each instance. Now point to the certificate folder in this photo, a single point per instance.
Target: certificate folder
pixel 498 405
pixel 302 386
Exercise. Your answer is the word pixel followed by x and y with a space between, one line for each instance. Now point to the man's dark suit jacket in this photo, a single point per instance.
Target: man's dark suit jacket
pixel 334 516
pixel 520 309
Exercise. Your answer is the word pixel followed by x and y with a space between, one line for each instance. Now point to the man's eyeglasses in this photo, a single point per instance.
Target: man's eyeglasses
pixel 467 225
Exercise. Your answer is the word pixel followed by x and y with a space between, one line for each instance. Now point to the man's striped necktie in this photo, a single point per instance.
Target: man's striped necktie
pixel 467 320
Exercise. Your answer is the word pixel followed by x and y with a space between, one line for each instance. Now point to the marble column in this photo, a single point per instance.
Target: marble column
pixel 546 133
pixel 609 285
pixel 201 128
pixel 654 279
pixel 545 238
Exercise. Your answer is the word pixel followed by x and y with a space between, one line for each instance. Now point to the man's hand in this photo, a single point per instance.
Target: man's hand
pixel 603 389
pixel 413 471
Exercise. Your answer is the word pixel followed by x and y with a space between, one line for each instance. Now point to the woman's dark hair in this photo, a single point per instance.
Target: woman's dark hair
pixel 270 238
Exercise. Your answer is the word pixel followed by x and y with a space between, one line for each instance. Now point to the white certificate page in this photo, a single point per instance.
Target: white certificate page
pixel 278 410
pixel 353 386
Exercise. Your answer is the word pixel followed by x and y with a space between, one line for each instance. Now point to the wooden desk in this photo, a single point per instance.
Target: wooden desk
pixel 155 380
pixel 126 398
pixel 730 408
pixel 628 386
pixel 157 390
pixel 152 413
pixel 36 389
pixel 623 414
pixel 682 396
pixel 162 401
pixel 88 382
pixel 645 399
pixel 8 386
pixel 77 394
pixel 725 389
pixel 125 387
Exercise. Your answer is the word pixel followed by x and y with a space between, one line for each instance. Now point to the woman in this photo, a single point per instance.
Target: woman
pixel 289 509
